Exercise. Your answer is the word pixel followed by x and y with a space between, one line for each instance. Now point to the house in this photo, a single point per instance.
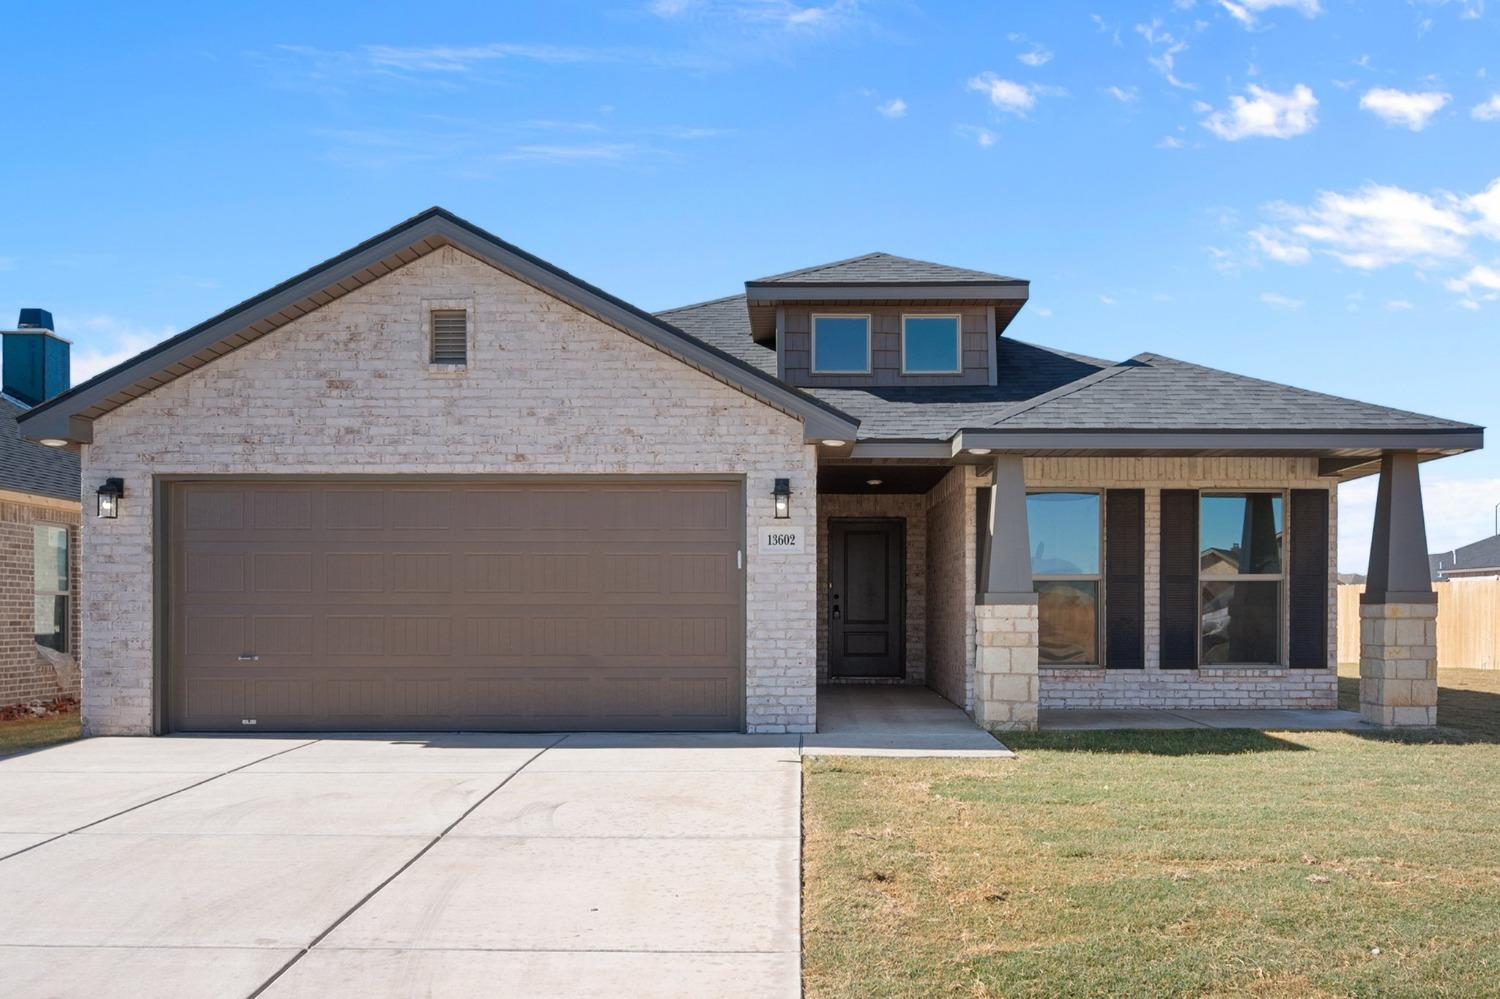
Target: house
pixel 1479 560
pixel 39 507
pixel 438 483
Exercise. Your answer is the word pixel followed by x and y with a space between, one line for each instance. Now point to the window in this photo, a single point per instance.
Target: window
pixel 840 345
pixel 1240 572
pixel 450 336
pixel 1065 574
pixel 931 345
pixel 49 585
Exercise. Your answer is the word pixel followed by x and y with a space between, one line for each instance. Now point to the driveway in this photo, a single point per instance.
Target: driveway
pixel 580 865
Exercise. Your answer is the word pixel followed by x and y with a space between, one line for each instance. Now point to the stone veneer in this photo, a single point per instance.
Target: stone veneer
pixel 1208 686
pixel 1005 666
pixel 912 510
pixel 28 672
pixel 347 389
pixel 1398 664
pixel 952 564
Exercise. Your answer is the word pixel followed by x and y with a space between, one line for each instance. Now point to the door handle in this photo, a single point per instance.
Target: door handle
pixel 834 605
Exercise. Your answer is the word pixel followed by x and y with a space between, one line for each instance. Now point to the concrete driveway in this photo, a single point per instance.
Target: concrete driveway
pixel 581 865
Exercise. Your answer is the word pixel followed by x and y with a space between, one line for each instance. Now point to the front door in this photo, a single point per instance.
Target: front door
pixel 866 598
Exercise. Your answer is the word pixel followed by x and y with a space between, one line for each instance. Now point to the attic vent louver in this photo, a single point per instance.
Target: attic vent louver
pixel 450 336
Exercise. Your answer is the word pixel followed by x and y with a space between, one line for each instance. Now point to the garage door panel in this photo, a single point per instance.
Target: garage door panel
pixel 455 605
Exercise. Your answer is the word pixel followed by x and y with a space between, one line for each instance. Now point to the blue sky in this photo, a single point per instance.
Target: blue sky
pixel 1304 190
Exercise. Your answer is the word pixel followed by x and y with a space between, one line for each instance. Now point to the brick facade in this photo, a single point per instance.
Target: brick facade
pixel 28 673
pixel 952 567
pixel 347 389
pixel 911 509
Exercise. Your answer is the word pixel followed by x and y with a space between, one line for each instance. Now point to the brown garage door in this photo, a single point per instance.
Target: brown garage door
pixel 455 605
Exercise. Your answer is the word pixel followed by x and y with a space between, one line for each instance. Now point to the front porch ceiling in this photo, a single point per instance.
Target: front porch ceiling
pixel 853 478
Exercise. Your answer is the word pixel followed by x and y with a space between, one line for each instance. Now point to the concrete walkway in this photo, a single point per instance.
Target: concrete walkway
pixel 895 721
pixel 443 866
pixel 1270 721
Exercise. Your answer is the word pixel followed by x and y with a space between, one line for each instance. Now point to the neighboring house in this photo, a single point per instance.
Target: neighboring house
pixel 1480 560
pixel 438 483
pixel 38 525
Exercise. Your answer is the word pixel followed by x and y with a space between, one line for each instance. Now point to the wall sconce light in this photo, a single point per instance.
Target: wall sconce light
pixel 783 494
pixel 109 498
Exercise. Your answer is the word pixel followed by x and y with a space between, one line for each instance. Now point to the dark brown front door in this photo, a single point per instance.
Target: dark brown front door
pixel 309 604
pixel 866 598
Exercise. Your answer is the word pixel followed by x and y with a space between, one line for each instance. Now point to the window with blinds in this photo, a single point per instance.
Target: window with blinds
pixel 450 336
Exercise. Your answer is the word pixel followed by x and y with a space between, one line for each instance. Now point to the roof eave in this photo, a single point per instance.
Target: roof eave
pixel 959 291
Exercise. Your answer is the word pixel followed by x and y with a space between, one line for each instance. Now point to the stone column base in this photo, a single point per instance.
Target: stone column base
pixel 1398 664
pixel 1006 685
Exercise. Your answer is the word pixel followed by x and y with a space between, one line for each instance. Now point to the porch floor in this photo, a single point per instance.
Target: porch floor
pixel 1269 720
pixel 895 721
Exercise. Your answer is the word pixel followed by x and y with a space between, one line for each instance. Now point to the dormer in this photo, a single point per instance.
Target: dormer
pixel 883 320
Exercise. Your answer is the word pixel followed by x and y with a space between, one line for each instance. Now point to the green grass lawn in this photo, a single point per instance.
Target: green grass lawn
pixel 1165 863
pixel 33 733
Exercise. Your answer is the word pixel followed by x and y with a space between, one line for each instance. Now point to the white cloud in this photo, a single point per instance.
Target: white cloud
pixel 1487 110
pixel 1272 244
pixel 1107 300
pixel 1165 48
pixel 1457 512
pixel 982 136
pixel 670 8
pixel 1374 227
pixel 1007 95
pixel 1037 55
pixel 101 342
pixel 893 108
pixel 1486 206
pixel 1265 113
pixel 1170 142
pixel 1279 301
pixel 1479 277
pixel 1042 311
pixel 1399 107
pixel 1399 305
pixel 1247 11
pixel 1125 95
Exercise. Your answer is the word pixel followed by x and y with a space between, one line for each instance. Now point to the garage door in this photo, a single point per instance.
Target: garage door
pixel 455 605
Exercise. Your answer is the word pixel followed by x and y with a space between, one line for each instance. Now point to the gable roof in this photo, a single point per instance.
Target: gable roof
pixel 884 268
pixel 1045 393
pixel 31 468
pixel 69 416
pixel 1482 554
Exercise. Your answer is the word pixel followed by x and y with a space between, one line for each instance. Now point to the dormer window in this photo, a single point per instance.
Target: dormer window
pixel 840 344
pixel 931 345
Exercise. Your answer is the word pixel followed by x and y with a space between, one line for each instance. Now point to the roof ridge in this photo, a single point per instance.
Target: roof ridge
pixel 814 268
pixel 1077 385
pixel 699 305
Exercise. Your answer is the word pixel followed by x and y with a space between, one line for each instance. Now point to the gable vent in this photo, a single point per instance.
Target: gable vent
pixel 450 336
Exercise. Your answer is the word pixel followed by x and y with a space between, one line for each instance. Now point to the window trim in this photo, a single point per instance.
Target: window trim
pixel 958 342
pixel 67 579
pixel 812 353
pixel 1080 577
pixel 1283 611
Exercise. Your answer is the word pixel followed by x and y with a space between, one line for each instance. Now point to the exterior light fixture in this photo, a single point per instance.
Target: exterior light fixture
pixel 873 482
pixel 979 450
pixel 109 498
pixel 53 442
pixel 783 495
pixel 834 443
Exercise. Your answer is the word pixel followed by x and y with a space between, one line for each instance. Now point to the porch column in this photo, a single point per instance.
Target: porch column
pixel 1398 610
pixel 1006 685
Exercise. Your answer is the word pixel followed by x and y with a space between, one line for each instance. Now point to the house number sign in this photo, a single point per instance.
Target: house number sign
pixel 779 540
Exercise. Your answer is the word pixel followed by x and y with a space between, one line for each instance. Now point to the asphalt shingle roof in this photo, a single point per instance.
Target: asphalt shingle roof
pixel 1483 554
pixel 1042 388
pixel 32 468
pixel 884 268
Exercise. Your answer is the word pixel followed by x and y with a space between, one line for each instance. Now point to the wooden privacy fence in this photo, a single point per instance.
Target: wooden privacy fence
pixel 1468 623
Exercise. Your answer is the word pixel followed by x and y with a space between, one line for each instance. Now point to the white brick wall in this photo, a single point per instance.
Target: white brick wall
pixel 347 389
pixel 1210 687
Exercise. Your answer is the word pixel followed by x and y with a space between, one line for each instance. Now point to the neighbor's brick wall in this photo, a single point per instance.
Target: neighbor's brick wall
pixel 347 389
pixel 951 571
pixel 25 673
pixel 1210 687
pixel 912 509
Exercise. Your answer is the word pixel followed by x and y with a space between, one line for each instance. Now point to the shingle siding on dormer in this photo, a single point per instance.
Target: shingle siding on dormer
pixel 795 346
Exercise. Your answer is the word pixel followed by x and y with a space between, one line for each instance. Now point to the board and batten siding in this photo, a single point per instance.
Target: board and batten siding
pixel 795 346
pixel 348 390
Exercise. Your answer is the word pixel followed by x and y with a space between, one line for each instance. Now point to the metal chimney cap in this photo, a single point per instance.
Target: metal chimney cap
pixel 35 319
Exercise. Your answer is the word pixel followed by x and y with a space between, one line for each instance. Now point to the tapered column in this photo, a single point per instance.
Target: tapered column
pixel 1398 610
pixel 1006 684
